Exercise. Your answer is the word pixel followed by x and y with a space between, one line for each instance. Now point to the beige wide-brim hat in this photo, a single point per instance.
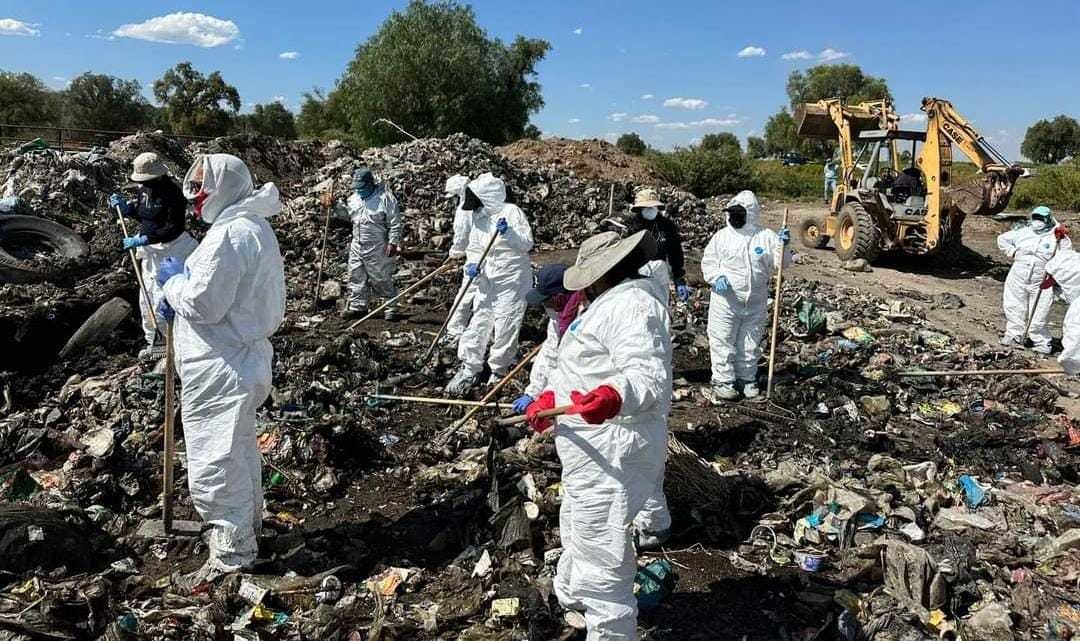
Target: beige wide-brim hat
pixel 646 198
pixel 598 255
pixel 148 166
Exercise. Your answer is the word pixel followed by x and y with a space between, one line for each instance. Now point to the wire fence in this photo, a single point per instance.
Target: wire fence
pixel 69 138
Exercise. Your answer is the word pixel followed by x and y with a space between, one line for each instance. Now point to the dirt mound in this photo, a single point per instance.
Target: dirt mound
pixel 592 159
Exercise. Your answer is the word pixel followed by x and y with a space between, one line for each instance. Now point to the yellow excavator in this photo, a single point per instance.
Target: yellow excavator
pixel 882 206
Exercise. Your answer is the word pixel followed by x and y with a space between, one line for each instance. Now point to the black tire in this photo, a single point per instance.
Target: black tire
pixel 98 327
pixel 858 235
pixel 18 233
pixel 810 232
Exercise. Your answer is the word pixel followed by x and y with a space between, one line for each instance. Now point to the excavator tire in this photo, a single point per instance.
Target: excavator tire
pixel 859 236
pixel 810 232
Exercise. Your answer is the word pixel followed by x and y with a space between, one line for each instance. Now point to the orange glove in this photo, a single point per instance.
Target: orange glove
pixel 598 405
pixel 1061 231
pixel 546 401
pixel 1047 282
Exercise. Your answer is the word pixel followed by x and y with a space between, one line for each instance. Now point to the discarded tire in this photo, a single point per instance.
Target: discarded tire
pixel 98 327
pixel 24 236
pixel 811 232
pixel 858 236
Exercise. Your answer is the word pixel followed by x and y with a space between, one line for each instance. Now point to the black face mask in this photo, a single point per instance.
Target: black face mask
pixel 736 216
pixel 472 202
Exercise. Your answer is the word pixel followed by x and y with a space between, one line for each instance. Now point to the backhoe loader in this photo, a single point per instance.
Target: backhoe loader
pixel 882 206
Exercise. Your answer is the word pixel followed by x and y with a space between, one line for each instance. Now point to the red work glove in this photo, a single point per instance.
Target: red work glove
pixel 546 401
pixel 1061 232
pixel 1047 282
pixel 598 405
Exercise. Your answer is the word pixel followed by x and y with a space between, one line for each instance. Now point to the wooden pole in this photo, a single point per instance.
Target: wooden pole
pixel 170 437
pixel 438 401
pixel 329 206
pixel 461 297
pixel 611 201
pixel 521 418
pixel 776 311
pixel 985 372
pixel 439 270
pixel 138 274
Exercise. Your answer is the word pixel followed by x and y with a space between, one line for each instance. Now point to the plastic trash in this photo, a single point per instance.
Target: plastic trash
pixel 974 494
pixel 654 583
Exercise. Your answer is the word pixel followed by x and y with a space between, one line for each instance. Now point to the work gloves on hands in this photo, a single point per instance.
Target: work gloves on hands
pixel 545 402
pixel 1061 232
pixel 131 242
pixel 169 267
pixel 784 234
pixel 522 403
pixel 472 270
pixel 501 226
pixel 598 405
pixel 721 284
pixel 165 311
pixel 683 291
pixel 1047 282
pixel 117 201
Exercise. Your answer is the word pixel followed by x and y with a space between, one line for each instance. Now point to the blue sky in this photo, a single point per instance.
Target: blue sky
pixel 1003 64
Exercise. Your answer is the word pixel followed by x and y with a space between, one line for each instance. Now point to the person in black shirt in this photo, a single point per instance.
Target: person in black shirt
pixel 160 208
pixel 649 214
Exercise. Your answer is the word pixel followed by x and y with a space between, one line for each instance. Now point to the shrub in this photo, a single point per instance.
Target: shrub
pixel 774 180
pixel 1056 186
pixel 705 172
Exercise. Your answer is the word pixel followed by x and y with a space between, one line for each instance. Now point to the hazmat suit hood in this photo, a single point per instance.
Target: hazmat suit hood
pixel 491 191
pixel 748 201
pixel 455 186
pixel 227 189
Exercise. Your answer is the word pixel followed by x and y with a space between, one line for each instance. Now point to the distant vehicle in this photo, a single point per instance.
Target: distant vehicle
pixel 792 159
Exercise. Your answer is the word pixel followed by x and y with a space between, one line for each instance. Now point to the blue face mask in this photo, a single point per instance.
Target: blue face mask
pixel 363 183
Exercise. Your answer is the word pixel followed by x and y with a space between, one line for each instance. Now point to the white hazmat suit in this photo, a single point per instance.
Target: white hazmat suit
pixel 747 257
pixel 505 277
pixel 455 186
pixel 376 222
pixel 150 257
pixel 1065 269
pixel 1029 248
pixel 228 303
pixel 611 470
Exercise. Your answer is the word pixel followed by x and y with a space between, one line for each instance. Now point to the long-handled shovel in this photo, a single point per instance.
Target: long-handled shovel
pixel 328 205
pixel 521 418
pixel 1038 295
pixel 776 314
pixel 1048 371
pixel 439 270
pixel 138 275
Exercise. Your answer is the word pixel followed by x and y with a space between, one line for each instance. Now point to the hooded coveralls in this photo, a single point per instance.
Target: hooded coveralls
pixel 505 277
pixel 460 247
pixel 1029 249
pixel 1065 268
pixel 228 303
pixel 376 223
pixel 747 257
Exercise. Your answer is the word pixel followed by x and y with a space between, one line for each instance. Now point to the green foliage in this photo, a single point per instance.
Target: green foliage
pixel 723 140
pixel 98 101
pixel 774 180
pixel 1056 186
pixel 24 100
pixel 271 119
pixel 705 172
pixel 195 104
pixel 756 147
pixel 433 71
pixel 532 132
pixel 844 81
pixel 1049 141
pixel 780 136
pixel 321 116
pixel 631 143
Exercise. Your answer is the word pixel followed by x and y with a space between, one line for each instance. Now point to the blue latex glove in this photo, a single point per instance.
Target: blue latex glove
pixel 472 270
pixel 131 242
pixel 169 267
pixel 721 285
pixel 683 291
pixel 522 403
pixel 501 226
pixel 785 235
pixel 165 311
pixel 116 200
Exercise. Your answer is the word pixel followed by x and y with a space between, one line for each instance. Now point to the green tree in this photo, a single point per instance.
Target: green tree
pixel 723 140
pixel 631 143
pixel 24 100
pixel 1049 141
pixel 97 101
pixel 432 70
pixel 705 172
pixel 532 132
pixel 195 104
pixel 271 119
pixel 846 82
pixel 780 136
pixel 321 116
pixel 756 147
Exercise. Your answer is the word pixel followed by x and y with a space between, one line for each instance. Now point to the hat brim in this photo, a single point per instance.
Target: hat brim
pixel 535 297
pixel 579 277
pixel 141 178
pixel 647 203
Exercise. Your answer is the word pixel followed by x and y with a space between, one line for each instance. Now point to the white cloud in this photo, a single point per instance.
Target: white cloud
pixel 59 79
pixel 801 54
pixel 751 52
pixel 101 35
pixel 289 55
pixel 685 103
pixel 13 27
pixel 182 28
pixel 672 125
pixel 913 117
pixel 729 121
pixel 647 96
pixel 574 121
pixel 618 116
pixel 586 86
pixel 280 99
pixel 832 54
pixel 645 119
pixel 577 32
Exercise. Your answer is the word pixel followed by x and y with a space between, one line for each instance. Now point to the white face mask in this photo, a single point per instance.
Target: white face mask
pixel 649 213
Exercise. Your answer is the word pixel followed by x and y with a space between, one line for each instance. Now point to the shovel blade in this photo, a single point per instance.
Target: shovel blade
pixel 155 529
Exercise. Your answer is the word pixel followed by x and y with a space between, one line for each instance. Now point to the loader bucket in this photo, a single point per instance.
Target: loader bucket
pixel 813 121
pixel 984 194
